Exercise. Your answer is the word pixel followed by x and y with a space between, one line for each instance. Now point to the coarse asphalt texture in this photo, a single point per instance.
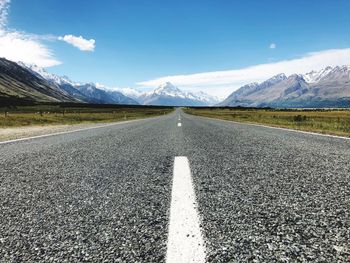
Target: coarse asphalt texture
pixel 103 195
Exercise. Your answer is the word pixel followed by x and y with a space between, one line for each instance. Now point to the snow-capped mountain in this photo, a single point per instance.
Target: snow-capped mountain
pixel 132 93
pixel 129 92
pixel 83 92
pixel 315 76
pixel 168 94
pixel 329 87
pixel 41 72
pixel 98 95
pixel 166 89
pixel 205 97
pixel 338 73
pixel 19 84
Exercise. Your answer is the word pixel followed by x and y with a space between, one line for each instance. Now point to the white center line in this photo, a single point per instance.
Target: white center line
pixel 179 124
pixel 185 240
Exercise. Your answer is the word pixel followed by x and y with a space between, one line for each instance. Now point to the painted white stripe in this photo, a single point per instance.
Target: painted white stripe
pixel 65 132
pixel 179 124
pixel 185 240
pixel 278 128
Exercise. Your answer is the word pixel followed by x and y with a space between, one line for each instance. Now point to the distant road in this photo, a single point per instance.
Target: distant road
pixel 240 193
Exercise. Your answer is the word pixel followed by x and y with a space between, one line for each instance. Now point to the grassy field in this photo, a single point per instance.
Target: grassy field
pixel 52 114
pixel 336 122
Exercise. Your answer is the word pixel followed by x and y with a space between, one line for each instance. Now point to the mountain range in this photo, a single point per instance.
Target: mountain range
pixel 329 87
pixel 169 95
pixel 25 82
pixel 20 84
pixel 82 92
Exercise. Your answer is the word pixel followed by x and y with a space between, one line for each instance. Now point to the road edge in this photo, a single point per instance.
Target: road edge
pixel 72 131
pixel 272 127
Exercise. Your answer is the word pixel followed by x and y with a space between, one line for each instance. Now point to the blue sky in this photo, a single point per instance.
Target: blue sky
pixel 140 43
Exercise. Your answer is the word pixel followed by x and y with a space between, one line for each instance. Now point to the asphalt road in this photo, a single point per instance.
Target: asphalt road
pixel 104 195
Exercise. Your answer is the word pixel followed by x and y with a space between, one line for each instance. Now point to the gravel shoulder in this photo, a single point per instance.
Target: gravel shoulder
pixel 13 133
pixel 30 131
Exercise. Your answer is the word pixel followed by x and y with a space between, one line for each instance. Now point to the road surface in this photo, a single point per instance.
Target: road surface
pixel 243 194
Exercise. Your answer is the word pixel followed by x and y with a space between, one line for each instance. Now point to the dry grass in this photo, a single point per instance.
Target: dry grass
pixel 56 115
pixel 336 122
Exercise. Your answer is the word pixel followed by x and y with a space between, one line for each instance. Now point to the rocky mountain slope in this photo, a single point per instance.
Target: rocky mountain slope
pixel 329 87
pixel 19 83
pixel 97 95
pixel 86 92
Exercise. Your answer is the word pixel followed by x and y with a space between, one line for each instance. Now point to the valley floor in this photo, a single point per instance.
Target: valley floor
pixel 333 122
pixel 28 121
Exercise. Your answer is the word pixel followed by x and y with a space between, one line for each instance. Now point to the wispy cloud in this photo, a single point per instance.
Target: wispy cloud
pixel 20 46
pixel 273 46
pixel 222 83
pixel 4 7
pixel 79 42
pixel 16 45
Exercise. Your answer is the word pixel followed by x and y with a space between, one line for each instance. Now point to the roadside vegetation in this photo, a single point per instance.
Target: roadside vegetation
pixel 328 121
pixel 70 113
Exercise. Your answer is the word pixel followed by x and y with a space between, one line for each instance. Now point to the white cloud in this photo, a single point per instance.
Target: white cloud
pixel 272 46
pixel 29 48
pixel 17 46
pixel 222 83
pixel 79 42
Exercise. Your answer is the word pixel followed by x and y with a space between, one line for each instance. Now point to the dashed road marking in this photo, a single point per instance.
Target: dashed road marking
pixel 185 240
